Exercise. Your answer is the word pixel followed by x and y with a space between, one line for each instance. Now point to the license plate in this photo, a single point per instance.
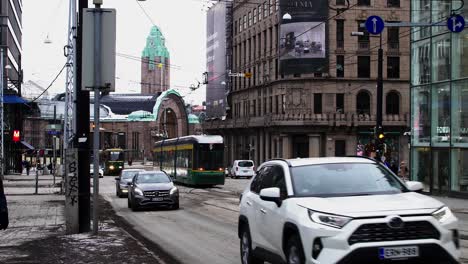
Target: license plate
pixel 157 199
pixel 398 252
pixel 245 171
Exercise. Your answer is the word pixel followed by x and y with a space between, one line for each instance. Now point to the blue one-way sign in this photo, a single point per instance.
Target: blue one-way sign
pixel 375 25
pixel 456 23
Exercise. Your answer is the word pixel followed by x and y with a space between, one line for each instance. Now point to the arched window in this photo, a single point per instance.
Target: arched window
pixel 393 103
pixel 363 102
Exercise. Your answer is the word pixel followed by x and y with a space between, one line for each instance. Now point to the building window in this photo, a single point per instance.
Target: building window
pixel 363 41
pixel 340 2
pixel 340 34
pixel 240 25
pixel 245 22
pixel 283 104
pixel 276 104
pixel 272 7
pixel 235 27
pixel 259 106
pixel 363 103
pixel 250 19
pixel 363 2
pixel 363 66
pixel 340 66
pixel 255 15
pixel 265 9
pixel 260 12
pixel 136 141
pixel 340 103
pixel 393 38
pixel 393 67
pixel 393 3
pixel 318 103
pixel 393 103
pixel 254 107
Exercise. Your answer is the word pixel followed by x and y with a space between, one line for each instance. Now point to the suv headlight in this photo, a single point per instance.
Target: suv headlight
pixel 336 221
pixel 442 214
pixel 138 191
pixel 173 190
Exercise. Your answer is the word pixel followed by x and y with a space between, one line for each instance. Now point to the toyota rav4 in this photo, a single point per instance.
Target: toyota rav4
pixel 342 210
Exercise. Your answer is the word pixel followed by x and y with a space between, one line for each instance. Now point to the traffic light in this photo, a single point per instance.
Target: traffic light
pixel 380 143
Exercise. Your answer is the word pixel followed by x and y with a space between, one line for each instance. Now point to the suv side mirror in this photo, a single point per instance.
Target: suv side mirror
pixel 271 195
pixel 117 178
pixel 129 183
pixel 414 186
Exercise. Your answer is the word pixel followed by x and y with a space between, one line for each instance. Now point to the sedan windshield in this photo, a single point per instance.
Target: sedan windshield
pixel 153 178
pixel 344 179
pixel 129 174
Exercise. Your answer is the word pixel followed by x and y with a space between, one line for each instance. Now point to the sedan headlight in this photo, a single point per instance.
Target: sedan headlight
pixel 442 214
pixel 173 190
pixel 336 221
pixel 138 191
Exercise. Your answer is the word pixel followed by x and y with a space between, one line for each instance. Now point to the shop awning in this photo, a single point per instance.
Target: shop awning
pixel 14 99
pixel 27 145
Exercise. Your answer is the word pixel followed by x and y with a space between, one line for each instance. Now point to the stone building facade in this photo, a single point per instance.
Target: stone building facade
pixel 331 112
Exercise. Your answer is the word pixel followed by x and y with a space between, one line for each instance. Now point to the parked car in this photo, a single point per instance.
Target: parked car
pixel 91 171
pixel 342 210
pixel 121 182
pixel 243 168
pixel 152 189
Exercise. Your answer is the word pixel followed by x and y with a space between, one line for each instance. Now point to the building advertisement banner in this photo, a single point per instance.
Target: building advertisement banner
pixel 303 38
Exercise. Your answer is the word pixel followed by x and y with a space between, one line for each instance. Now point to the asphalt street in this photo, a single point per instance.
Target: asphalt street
pixel 203 230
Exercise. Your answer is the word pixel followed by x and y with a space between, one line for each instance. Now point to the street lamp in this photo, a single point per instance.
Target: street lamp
pixel 378 127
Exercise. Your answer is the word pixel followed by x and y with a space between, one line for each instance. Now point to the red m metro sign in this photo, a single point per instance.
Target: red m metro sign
pixel 16 135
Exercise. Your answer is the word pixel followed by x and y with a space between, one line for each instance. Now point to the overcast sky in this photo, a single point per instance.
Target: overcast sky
pixel 183 23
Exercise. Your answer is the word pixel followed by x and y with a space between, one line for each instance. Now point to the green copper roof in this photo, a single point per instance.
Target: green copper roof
pixel 193 119
pixel 160 99
pixel 141 116
pixel 155 47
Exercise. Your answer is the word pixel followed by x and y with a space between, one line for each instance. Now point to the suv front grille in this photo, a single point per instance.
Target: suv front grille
pixel 156 193
pixel 382 232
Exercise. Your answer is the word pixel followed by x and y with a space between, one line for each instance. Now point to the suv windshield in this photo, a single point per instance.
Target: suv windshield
pixel 245 164
pixel 129 174
pixel 344 179
pixel 153 178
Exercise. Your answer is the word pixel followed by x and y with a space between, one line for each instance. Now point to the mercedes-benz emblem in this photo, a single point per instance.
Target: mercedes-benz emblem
pixel 396 223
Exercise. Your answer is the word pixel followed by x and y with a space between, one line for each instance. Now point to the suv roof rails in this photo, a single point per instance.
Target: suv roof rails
pixel 280 159
pixel 362 157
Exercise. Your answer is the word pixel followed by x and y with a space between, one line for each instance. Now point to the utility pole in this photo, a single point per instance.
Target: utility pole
pixel 54 145
pixel 82 123
pixel 2 152
pixel 379 138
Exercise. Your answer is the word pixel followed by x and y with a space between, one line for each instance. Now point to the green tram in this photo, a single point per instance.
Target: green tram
pixel 113 160
pixel 192 160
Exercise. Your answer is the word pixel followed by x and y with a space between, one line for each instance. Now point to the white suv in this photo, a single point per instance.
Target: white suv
pixel 243 168
pixel 342 210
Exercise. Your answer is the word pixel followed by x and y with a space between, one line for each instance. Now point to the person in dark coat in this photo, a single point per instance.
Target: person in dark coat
pixel 3 208
pixel 28 166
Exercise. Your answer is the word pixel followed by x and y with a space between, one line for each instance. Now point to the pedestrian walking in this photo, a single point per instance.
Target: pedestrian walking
pixel 403 171
pixel 28 167
pixel 3 208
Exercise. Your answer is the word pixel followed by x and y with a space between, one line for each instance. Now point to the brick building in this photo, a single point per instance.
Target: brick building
pixel 155 66
pixel 313 86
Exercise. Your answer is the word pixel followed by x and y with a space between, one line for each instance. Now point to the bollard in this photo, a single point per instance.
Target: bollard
pixel 37 181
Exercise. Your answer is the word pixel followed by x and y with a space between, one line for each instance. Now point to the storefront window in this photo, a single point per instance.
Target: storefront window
pixel 460 55
pixel 459 170
pixel 421 128
pixel 440 169
pixel 421 62
pixel 420 170
pixel 421 12
pixel 440 114
pixel 441 58
pixel 460 114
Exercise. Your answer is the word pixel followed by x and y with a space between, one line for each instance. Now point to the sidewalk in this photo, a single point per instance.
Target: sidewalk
pixel 36 233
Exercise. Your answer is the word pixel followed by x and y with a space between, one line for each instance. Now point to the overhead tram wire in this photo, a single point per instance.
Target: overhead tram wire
pixel 50 85
pixel 135 58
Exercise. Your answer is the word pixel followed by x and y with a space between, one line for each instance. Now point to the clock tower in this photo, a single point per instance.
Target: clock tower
pixel 155 64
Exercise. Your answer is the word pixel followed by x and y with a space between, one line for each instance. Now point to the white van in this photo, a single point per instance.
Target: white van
pixel 243 168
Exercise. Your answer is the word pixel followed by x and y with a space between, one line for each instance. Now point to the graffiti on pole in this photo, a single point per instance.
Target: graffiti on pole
pixel 71 191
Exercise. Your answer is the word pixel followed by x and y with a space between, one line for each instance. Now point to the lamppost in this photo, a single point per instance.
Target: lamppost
pixel 378 130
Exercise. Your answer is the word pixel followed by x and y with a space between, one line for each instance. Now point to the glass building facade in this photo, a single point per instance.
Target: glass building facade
pixel 439 99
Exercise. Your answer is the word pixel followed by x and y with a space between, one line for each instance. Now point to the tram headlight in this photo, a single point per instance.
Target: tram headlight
pixel 111 167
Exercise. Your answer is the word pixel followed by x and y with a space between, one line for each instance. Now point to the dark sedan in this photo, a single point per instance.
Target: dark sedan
pixel 152 189
pixel 121 182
